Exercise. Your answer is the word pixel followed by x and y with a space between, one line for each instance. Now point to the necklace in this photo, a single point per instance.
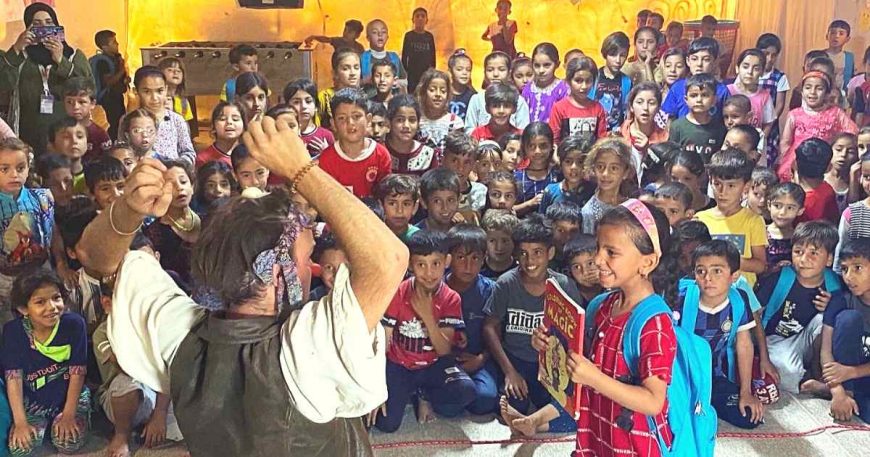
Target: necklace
pixel 181 226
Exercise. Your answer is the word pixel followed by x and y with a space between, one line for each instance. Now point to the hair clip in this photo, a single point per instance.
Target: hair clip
pixel 460 52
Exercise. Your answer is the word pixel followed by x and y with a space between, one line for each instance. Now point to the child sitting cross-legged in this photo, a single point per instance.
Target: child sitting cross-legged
pixel 845 353
pixel 420 325
pixel 45 361
pixel 515 309
pixel 795 299
pixel 723 317
pixel 467 251
pixel 129 403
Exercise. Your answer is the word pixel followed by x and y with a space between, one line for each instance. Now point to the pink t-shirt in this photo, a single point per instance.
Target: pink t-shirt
pixel 805 124
pixel 763 111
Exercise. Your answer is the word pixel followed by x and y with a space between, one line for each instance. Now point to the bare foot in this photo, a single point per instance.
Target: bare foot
pixel 815 388
pixel 118 446
pixel 509 415
pixel 424 412
pixel 526 425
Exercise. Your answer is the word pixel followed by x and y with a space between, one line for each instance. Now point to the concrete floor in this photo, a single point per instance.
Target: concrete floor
pixel 792 414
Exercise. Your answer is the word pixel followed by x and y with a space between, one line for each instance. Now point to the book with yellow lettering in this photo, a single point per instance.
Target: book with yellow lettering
pixel 564 320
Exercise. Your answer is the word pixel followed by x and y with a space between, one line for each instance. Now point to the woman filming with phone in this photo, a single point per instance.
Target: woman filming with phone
pixel 40 63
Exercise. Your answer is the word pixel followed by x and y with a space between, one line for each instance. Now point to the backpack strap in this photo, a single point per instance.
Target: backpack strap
pixel 832 281
pixel 738 308
pixel 626 88
pixel 591 311
pixel 692 295
pixel 645 310
pixel 784 282
pixel 849 69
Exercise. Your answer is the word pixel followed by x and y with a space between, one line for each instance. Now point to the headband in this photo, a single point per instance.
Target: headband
pixel 817 74
pixel 647 221
pixel 488 144
pixel 263 265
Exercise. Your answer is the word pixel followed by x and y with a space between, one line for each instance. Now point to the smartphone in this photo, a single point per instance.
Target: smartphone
pixel 50 31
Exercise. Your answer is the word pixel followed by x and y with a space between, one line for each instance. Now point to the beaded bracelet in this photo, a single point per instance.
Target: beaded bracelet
pixel 112 222
pixel 301 174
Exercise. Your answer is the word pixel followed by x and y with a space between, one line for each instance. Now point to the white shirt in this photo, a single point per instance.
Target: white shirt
pixel 332 365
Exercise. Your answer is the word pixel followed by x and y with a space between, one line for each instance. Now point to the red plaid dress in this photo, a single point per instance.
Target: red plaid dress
pixel 597 432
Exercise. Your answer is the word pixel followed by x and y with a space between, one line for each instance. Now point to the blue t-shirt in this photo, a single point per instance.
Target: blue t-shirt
pixel 46 381
pixel 366 59
pixel 798 309
pixel 714 325
pixel 553 194
pixel 530 187
pixel 850 301
pixel 675 103
pixel 473 300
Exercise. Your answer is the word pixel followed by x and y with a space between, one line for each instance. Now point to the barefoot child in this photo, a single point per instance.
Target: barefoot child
pixel 420 325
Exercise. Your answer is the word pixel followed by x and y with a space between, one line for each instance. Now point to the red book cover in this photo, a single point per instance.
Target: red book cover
pixel 564 320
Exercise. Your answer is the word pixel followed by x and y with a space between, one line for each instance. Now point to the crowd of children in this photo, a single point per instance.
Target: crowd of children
pixel 646 180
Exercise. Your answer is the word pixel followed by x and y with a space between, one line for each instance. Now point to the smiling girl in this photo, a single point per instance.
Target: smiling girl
pixel 433 94
pixel 545 89
pixel 45 361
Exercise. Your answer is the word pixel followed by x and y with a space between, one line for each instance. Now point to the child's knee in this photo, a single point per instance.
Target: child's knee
pixel 388 424
pixel 485 401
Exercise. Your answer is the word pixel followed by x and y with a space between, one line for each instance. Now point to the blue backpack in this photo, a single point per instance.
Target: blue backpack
pixel 100 91
pixel 786 279
pixel 690 317
pixel 690 415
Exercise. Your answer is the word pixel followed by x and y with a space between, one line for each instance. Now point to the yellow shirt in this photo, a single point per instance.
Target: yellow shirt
pixel 182 106
pixel 744 229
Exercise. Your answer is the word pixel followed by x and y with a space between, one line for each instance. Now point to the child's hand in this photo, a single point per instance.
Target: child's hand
pixel 821 300
pixel 154 433
pixel 640 140
pixel 373 416
pixel 469 362
pixel 539 338
pixel 515 385
pixel 421 302
pixel 767 368
pixel 843 407
pixel 460 339
pixel 458 218
pixel 756 409
pixel 582 370
pixel 65 428
pixel 835 374
pixel 20 437
pixel 319 144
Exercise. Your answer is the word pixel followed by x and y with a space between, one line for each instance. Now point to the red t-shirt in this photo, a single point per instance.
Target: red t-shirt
pixel 568 119
pixel 212 153
pixel 359 175
pixel 410 345
pixel 597 432
pixel 820 203
pixel 98 142
pixel 483 132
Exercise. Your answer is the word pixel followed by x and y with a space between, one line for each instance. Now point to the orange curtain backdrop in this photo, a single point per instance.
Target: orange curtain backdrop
pixel 456 24
pixel 567 23
pixel 800 25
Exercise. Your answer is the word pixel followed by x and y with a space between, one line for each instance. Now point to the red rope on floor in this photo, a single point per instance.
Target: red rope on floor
pixel 570 439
